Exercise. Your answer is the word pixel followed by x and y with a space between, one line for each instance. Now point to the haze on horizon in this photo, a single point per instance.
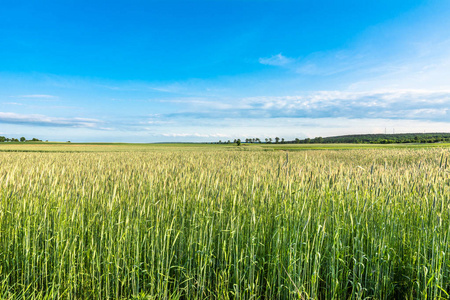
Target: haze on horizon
pixel 172 71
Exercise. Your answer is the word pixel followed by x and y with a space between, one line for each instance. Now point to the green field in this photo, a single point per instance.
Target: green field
pixel 124 147
pixel 196 221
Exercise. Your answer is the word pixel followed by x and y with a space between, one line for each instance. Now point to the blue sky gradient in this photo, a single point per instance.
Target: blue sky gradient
pixel 154 71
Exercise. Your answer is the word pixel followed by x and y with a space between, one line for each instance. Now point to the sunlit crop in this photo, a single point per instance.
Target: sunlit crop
pixel 218 224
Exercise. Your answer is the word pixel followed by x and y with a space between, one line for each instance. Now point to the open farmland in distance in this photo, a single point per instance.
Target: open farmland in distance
pixel 219 221
pixel 127 147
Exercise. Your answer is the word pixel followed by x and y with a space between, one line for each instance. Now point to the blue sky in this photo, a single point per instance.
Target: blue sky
pixel 155 71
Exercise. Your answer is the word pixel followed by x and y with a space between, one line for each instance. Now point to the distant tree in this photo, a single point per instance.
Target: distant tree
pixel 267 140
pixel 270 140
pixel 14 140
pixel 23 139
pixel 35 140
pixel 238 142
pixel 2 139
pixel 297 141
pixel 277 140
pixel 282 140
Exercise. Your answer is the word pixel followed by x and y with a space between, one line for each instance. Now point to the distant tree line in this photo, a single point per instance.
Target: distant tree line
pixel 22 139
pixel 399 138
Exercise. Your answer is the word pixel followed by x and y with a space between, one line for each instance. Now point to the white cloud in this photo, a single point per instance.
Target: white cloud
pixel 41 120
pixel 276 60
pixel 291 128
pixel 200 135
pixel 156 122
pixel 38 96
pixel 12 103
pixel 378 104
pixel 200 102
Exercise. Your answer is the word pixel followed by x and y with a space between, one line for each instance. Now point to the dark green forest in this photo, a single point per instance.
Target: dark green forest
pixel 398 138
pixel 381 138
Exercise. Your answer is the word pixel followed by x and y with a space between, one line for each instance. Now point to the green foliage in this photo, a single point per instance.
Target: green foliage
pixel 22 139
pixel 367 139
pixel 383 138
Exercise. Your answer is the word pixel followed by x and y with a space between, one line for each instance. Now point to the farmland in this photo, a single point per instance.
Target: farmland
pixel 120 221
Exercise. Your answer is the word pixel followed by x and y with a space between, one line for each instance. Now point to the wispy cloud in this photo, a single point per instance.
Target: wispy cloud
pixel 41 120
pixel 13 103
pixel 393 104
pixel 430 70
pixel 200 135
pixel 276 60
pixel 400 104
pixel 38 96
pixel 321 63
pixel 156 122
pixel 200 102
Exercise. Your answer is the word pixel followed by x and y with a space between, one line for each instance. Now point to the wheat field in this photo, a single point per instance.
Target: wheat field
pixel 213 223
